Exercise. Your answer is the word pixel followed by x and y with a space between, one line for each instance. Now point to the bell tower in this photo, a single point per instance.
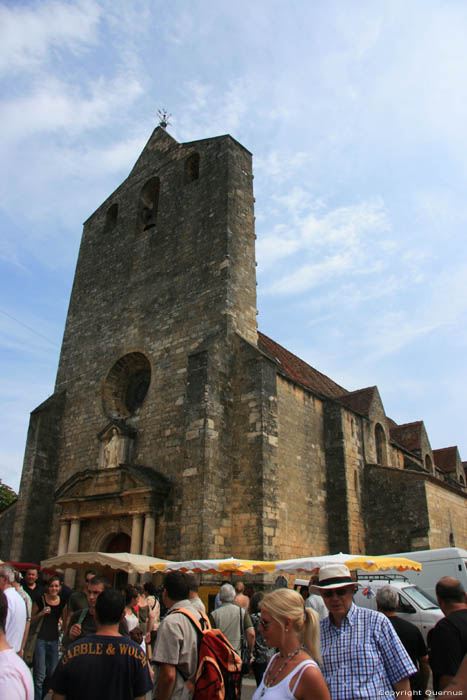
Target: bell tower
pixel 165 281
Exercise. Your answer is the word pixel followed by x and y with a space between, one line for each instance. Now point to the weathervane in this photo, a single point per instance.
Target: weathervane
pixel 164 117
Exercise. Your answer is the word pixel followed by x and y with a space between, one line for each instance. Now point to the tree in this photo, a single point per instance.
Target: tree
pixel 7 496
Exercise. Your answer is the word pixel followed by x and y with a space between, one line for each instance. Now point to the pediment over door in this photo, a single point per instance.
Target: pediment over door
pixel 114 491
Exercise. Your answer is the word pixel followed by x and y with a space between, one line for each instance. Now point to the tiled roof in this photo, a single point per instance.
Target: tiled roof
pixel 359 400
pixel 408 435
pixel 446 458
pixel 297 370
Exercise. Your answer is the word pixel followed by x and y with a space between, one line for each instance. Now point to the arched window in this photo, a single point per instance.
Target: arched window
pixel 192 168
pixel 149 204
pixel 126 385
pixel 111 217
pixel 428 464
pixel 380 439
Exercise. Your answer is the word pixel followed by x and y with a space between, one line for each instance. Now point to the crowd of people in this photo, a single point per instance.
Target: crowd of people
pixel 142 643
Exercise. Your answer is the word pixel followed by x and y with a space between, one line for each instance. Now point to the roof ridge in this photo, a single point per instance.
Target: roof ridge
pixel 404 425
pixel 358 391
pixel 302 373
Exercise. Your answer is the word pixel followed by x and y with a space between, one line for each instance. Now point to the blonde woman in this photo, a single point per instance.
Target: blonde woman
pixel 292 674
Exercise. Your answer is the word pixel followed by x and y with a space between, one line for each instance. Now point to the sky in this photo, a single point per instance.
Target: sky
pixel 356 115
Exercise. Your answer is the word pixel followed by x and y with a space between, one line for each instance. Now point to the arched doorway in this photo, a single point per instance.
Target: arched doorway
pixel 119 543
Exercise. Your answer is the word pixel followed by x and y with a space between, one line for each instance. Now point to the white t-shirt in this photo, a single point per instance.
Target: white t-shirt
pixel 15 677
pixel 15 618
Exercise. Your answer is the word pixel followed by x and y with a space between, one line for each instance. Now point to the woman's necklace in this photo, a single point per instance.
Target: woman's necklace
pixel 270 680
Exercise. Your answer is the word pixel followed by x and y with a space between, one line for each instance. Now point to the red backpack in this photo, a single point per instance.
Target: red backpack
pixel 218 676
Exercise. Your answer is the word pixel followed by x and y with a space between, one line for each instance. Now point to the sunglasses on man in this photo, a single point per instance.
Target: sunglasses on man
pixel 335 591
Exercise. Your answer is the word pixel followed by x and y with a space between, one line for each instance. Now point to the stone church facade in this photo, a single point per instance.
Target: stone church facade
pixel 177 429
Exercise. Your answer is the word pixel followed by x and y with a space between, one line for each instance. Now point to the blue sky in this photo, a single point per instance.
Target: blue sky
pixel 355 113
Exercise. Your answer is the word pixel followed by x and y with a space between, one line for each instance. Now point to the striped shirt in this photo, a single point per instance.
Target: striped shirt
pixel 364 657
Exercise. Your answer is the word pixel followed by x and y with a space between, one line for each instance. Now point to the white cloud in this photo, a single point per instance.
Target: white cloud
pixel 281 166
pixel 209 111
pixel 54 105
pixel 28 35
pixel 329 243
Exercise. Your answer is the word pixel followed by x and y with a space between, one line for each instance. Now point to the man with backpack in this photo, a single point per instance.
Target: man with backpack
pixel 194 660
pixel 176 647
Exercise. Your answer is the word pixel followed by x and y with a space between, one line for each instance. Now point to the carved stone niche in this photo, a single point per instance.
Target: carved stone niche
pixel 116 443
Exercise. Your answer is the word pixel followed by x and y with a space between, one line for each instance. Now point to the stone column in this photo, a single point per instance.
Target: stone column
pixel 73 541
pixel 73 546
pixel 136 532
pixel 148 535
pixel 148 540
pixel 63 538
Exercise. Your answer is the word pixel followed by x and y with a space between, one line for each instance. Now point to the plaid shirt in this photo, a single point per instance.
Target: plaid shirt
pixel 364 657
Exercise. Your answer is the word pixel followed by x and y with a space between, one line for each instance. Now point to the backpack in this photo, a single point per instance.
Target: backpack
pixel 218 675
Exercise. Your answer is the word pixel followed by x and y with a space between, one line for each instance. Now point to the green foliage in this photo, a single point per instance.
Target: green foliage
pixel 7 496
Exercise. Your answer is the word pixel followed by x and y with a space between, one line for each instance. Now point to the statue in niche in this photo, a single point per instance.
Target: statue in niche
pixel 116 444
pixel 112 450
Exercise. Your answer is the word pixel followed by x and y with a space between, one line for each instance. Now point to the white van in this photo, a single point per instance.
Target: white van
pixel 436 563
pixel 414 605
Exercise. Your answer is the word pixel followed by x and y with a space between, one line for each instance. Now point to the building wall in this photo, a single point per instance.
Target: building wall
pixel 253 491
pixel 397 457
pixel 354 461
pixel 174 294
pixel 396 510
pixel 34 508
pixel 337 504
pixel 448 514
pixel 302 474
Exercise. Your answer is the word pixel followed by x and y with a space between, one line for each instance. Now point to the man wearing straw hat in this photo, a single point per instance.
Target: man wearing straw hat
pixel 363 658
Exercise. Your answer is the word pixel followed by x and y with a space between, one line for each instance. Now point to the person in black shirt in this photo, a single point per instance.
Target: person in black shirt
pixel 387 601
pixel 46 612
pixel 31 585
pixel 448 640
pixel 105 665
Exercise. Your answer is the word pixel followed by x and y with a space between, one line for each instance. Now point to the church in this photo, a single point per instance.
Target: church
pixel 177 429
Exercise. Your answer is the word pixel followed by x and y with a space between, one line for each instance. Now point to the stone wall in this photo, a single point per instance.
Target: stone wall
pixel 254 498
pixel 301 480
pixel 170 284
pixel 397 457
pixel 337 504
pixel 396 510
pixel 354 463
pixel 35 507
pixel 448 516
